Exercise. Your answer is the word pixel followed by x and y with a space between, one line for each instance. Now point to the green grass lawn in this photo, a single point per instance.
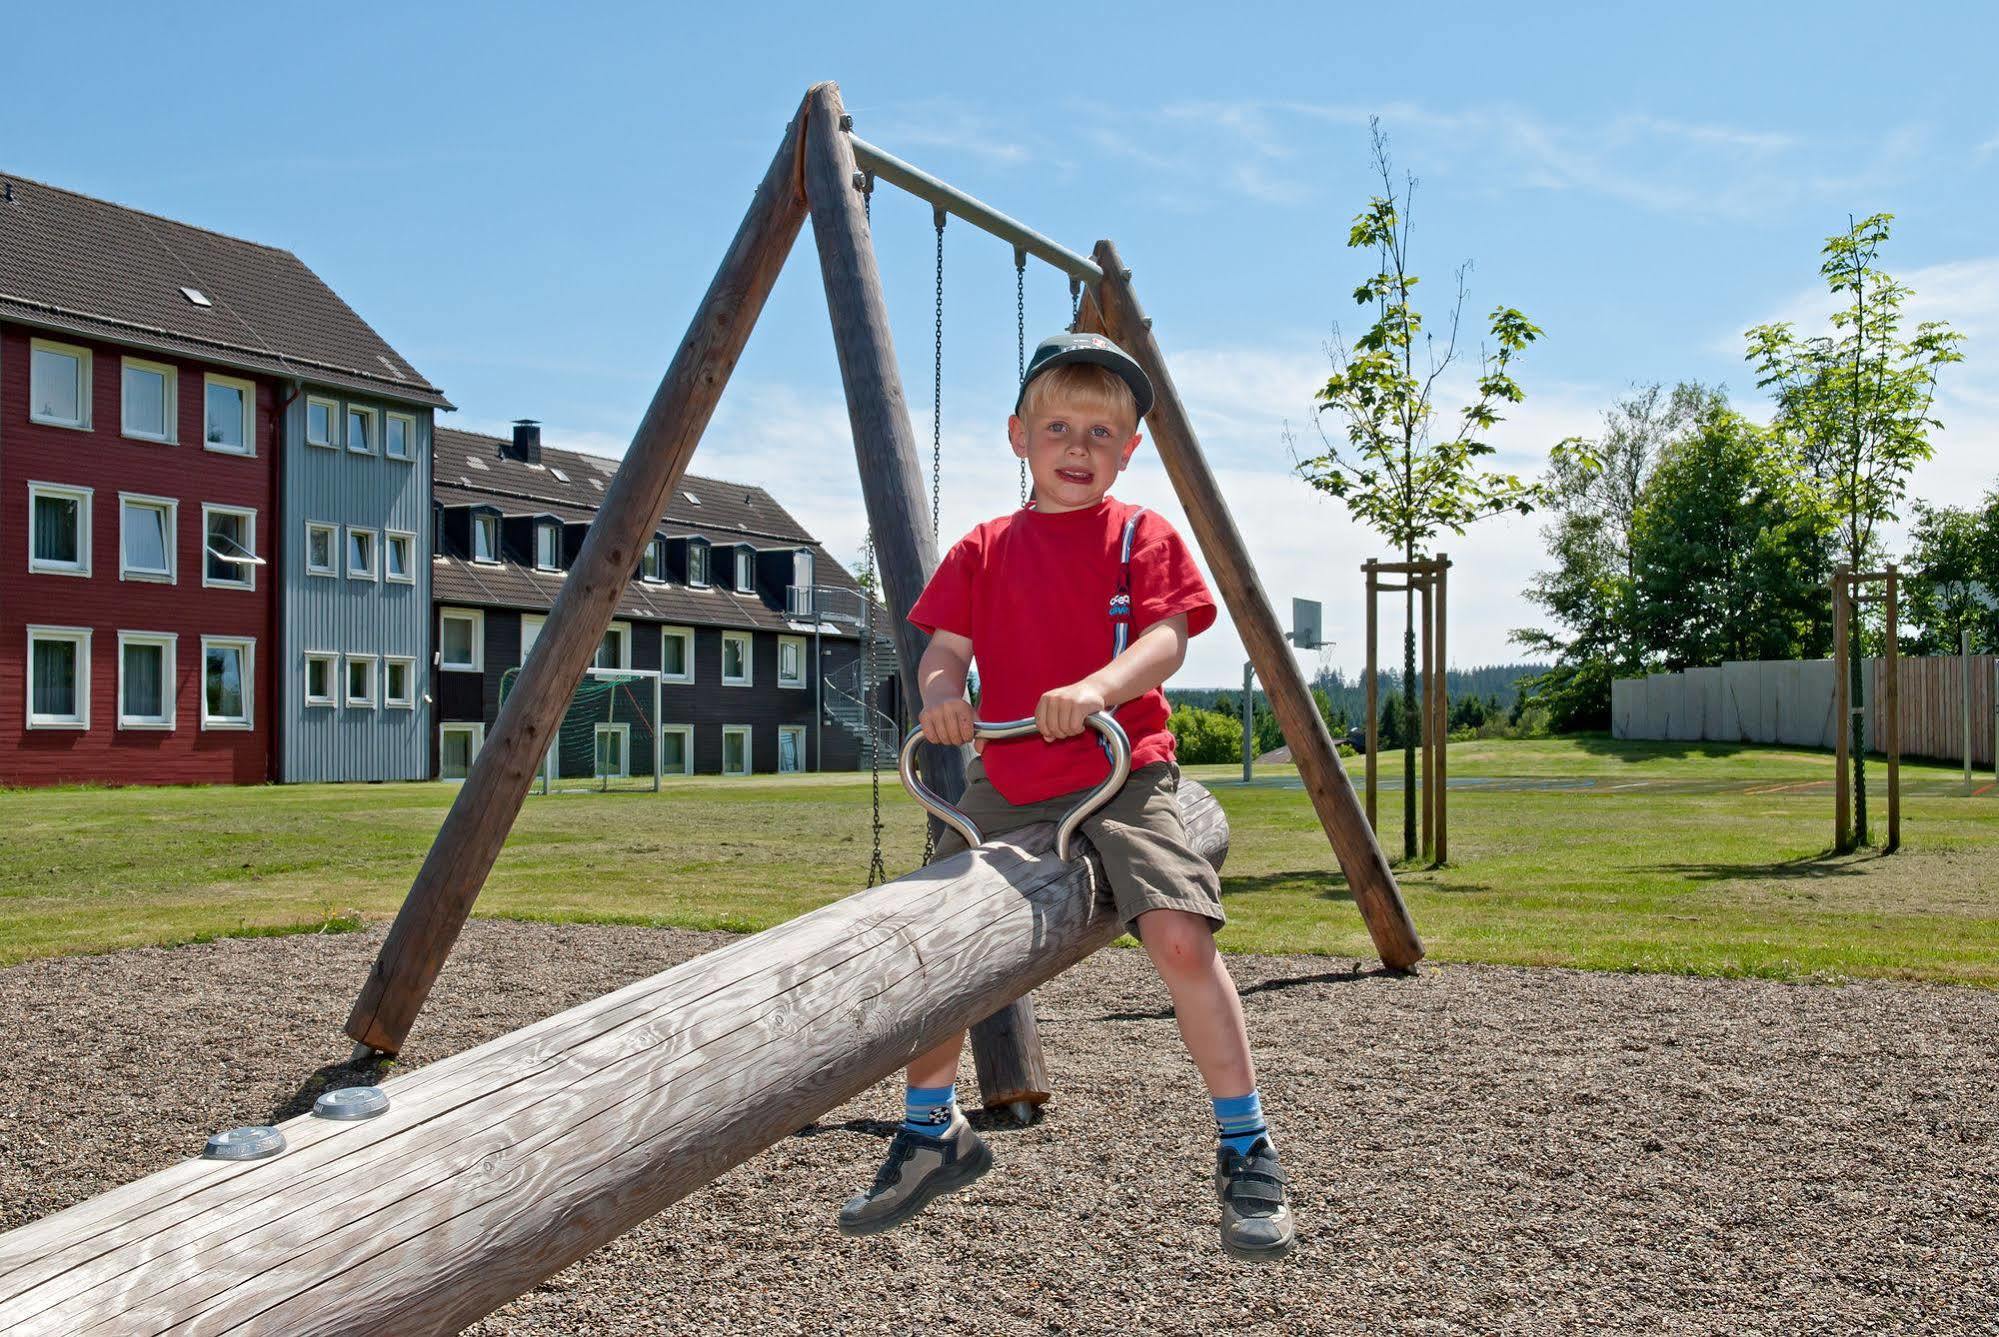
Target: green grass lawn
pixel 1712 883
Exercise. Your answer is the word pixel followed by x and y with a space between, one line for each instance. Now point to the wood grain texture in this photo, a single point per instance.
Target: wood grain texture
pixel 476 827
pixel 1367 872
pixel 1009 1045
pixel 501 1165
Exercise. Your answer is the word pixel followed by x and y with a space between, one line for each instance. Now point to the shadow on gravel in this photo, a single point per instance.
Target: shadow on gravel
pixel 982 1120
pixel 1354 974
pixel 333 1077
pixel 1811 866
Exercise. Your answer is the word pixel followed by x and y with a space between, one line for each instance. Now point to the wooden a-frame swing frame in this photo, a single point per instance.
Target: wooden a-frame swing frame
pixel 815 172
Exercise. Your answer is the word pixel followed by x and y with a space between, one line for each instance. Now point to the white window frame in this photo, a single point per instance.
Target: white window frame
pixel 83 497
pixel 685 732
pixel 166 641
pixel 655 553
pixel 329 697
pixel 481 519
pixel 348 663
pixel 171 533
pixel 798 683
pixel 407 701
pixel 746 571
pixel 334 422
pixel 334 552
pixel 409 436
pixel 169 401
pixel 749 749
pixel 623 733
pixel 80 637
pixel 389 537
pixel 685 635
pixel 477 618
pixel 749 659
pixel 248 513
pixel 369 434
pixel 249 389
pixel 544 529
pixel 373 569
pixel 478 733
pixel 623 631
pixel 705 553
pixel 248 645
pixel 803 756
pixel 83 383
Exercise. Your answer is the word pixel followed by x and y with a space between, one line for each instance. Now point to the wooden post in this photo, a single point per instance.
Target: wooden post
pixel 1841 712
pixel 1373 708
pixel 1426 711
pixel 1006 1048
pixel 1367 872
pixel 1443 714
pixel 498 1166
pixel 1889 703
pixel 484 811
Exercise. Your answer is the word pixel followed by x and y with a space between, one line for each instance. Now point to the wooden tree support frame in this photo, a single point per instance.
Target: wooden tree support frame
pixel 1848 588
pixel 814 172
pixel 1430 579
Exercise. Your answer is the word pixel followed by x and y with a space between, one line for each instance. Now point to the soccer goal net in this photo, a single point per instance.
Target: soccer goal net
pixel 609 737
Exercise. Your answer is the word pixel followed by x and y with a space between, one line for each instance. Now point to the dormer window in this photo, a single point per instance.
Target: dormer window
pixel 548 547
pixel 486 538
pixel 746 570
pixel 697 564
pixel 652 566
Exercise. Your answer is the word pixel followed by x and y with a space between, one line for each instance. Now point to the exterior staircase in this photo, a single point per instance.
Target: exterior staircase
pixel 843 699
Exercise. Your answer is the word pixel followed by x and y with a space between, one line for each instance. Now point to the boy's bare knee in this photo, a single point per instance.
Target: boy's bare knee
pixel 1178 941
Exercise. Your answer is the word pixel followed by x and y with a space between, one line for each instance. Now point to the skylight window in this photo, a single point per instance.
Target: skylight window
pixel 197 296
pixel 691 498
pixel 476 463
pixel 558 473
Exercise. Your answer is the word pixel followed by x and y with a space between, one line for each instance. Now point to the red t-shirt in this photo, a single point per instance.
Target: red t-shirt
pixel 1032 590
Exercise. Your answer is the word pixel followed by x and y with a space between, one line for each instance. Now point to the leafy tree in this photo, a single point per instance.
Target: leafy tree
pixel 1953 549
pixel 1857 405
pixel 1594 488
pixel 1205 735
pixel 1402 469
pixel 1729 545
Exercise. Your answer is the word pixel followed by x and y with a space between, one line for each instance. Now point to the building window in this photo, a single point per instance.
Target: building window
pixel 746 571
pixel 58 384
pixel 676 654
pixel 227 426
pixel 736 658
pixel 457 745
pixel 676 749
pixel 461 636
pixel 320 541
pixel 59 529
pixel 147 397
pixel 398 682
pixel 319 670
pixel 652 565
pixel 486 538
pixel 360 430
pixel 548 547
pixel 360 683
pixel 615 650
pixel 399 556
pixel 697 564
pixel 790 748
pixel 226 668
pixel 58 677
pixel 360 553
pixel 791 661
pixel 145 680
pixel 146 537
pixel 735 749
pixel 614 751
pixel 229 549
pixel 398 432
pixel 321 417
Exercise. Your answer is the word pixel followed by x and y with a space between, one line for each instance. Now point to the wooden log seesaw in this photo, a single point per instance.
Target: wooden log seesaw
pixel 497 1167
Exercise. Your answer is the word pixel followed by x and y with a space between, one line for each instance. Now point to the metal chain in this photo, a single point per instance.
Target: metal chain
pixel 1075 303
pixel 877 870
pixel 1020 340
pixel 937 391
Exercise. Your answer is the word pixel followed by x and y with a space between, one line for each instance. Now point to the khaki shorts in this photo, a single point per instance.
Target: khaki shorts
pixel 1139 835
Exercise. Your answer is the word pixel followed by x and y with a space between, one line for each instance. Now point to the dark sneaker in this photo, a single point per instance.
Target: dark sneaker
pixel 918 1169
pixel 1256 1221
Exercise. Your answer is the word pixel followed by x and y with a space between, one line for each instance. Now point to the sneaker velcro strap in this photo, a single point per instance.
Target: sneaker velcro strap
pixel 1255 1190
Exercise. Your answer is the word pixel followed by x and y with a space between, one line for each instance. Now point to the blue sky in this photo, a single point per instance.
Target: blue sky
pixel 528 201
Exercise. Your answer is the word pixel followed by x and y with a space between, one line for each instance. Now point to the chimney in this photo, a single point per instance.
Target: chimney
pixel 526 445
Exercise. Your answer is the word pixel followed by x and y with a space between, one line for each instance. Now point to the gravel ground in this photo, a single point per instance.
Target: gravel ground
pixel 1474 1150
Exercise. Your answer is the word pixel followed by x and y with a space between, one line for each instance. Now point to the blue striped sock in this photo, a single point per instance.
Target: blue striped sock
pixel 926 1110
pixel 1239 1121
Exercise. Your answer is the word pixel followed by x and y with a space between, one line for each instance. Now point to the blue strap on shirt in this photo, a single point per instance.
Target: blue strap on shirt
pixel 1120 613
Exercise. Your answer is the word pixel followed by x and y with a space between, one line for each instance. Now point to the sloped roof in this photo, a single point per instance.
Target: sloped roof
pixel 469 470
pixel 91 268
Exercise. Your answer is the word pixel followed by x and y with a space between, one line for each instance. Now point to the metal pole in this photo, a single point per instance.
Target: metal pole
pixel 1888 707
pixel 1373 718
pixel 1964 651
pixel 1842 716
pixel 1248 722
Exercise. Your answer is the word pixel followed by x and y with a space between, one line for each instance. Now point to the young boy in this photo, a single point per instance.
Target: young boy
pixel 1031 595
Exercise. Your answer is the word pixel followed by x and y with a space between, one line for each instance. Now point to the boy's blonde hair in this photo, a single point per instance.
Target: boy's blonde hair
pixel 1090 388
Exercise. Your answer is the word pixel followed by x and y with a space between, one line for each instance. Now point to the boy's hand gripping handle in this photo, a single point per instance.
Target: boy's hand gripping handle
pixel 1116 746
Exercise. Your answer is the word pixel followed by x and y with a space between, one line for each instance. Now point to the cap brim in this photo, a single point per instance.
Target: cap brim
pixel 1111 360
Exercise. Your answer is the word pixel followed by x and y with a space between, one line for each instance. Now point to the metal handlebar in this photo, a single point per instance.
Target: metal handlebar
pixel 1116 747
